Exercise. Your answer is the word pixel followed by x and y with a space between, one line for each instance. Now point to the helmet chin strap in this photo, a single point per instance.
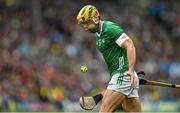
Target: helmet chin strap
pixel 96 22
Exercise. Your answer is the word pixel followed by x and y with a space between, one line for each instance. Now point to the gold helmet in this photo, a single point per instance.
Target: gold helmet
pixel 88 12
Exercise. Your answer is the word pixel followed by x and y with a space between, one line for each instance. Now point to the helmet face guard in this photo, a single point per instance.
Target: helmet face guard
pixel 87 13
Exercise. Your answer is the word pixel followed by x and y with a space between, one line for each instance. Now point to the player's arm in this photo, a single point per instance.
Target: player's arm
pixel 125 42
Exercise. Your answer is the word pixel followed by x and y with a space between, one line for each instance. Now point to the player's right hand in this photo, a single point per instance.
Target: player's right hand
pixel 133 80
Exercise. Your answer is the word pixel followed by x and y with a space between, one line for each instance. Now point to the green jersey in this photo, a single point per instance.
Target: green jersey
pixel 114 55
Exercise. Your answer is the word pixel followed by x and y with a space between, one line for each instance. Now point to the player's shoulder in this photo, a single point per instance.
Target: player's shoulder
pixel 110 25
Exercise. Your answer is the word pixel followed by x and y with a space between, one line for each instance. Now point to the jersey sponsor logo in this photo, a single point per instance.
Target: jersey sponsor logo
pixel 121 63
pixel 100 42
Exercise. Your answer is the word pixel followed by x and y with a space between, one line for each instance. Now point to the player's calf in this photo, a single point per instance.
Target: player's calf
pixel 131 105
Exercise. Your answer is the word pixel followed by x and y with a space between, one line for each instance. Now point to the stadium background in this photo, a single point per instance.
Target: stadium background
pixel 42 48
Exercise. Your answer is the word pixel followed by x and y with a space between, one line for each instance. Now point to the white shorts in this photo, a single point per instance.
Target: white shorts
pixel 121 82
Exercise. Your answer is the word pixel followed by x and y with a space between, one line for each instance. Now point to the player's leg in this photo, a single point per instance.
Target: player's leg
pixel 132 102
pixel 111 101
pixel 132 105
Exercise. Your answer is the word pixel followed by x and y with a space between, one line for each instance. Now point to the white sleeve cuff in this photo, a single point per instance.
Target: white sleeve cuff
pixel 121 39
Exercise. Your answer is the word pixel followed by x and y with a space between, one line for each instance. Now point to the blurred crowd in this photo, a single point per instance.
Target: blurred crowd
pixel 42 48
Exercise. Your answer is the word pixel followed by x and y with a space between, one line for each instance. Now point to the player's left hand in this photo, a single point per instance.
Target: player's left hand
pixel 132 78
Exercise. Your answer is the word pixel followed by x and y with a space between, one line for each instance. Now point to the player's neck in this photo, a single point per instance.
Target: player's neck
pixel 99 26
